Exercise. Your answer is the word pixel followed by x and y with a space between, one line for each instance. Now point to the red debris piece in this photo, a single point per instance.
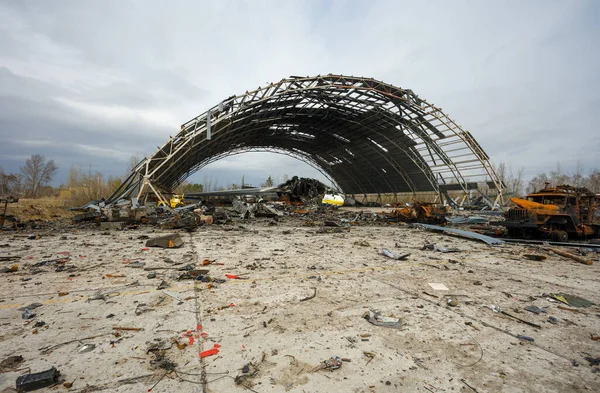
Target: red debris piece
pixel 210 352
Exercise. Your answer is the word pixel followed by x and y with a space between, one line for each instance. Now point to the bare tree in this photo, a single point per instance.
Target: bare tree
pixel 207 183
pixel 134 160
pixel 558 177
pixel 516 182
pixel 578 180
pixel 593 181
pixel 37 173
pixel 501 171
pixel 537 183
pixel 10 184
pixel 513 182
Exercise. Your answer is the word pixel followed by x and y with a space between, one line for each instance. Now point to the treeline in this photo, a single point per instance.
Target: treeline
pixel 517 185
pixel 34 177
pixel 88 185
pixel 579 178
pixel 32 180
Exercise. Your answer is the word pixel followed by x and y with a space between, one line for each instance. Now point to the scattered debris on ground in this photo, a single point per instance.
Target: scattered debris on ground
pixel 292 296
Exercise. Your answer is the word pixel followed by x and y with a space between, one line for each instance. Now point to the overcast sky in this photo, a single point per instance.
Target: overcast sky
pixel 94 82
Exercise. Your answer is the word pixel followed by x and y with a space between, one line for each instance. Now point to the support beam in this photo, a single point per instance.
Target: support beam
pixel 369 137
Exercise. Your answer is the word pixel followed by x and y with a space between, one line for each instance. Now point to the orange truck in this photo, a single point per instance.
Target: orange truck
pixel 560 213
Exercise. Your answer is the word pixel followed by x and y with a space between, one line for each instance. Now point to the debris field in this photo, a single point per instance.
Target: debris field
pixel 270 305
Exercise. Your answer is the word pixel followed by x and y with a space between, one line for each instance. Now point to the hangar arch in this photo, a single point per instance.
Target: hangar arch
pixel 365 135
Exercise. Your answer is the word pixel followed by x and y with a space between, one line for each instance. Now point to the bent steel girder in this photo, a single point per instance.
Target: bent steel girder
pixel 364 135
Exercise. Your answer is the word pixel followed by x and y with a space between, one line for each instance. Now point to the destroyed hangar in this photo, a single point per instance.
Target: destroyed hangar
pixel 306 297
pixel 365 136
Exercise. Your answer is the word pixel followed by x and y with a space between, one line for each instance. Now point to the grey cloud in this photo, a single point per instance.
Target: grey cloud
pixel 123 75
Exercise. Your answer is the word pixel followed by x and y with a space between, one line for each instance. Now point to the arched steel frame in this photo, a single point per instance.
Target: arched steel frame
pixel 364 135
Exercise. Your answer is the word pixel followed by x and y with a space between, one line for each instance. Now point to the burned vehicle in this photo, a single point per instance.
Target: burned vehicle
pixel 561 213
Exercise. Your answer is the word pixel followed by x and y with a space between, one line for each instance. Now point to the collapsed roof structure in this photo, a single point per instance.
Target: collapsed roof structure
pixel 364 135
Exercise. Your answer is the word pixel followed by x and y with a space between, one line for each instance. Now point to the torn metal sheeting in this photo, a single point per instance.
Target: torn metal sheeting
pixel 168 241
pixel 245 209
pixel 456 220
pixel 86 348
pixel 31 306
pixel 596 247
pixel 34 381
pixel 571 300
pixel 446 249
pixel 375 318
pixel 394 255
pixel 461 233
pixel 536 309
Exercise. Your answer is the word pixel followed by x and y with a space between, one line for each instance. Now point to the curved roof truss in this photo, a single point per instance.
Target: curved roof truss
pixel 366 136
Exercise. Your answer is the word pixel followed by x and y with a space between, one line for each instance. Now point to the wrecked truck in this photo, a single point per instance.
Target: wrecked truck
pixel 560 213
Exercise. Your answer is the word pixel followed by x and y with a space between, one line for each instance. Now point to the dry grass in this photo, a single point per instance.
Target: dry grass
pixel 47 208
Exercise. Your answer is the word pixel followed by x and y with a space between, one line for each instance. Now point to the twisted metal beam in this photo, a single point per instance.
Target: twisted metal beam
pixel 364 135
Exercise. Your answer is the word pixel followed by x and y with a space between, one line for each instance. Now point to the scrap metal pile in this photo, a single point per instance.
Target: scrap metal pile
pixel 306 198
pixel 128 212
pixel 246 203
pixel 423 212
pixel 560 215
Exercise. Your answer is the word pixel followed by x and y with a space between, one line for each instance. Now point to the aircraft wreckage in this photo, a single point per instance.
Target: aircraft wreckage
pixel 365 136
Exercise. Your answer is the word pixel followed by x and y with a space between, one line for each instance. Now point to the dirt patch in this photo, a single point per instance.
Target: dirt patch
pixel 294 374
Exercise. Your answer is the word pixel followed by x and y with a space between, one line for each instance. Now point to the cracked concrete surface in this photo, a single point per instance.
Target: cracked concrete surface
pixel 261 321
